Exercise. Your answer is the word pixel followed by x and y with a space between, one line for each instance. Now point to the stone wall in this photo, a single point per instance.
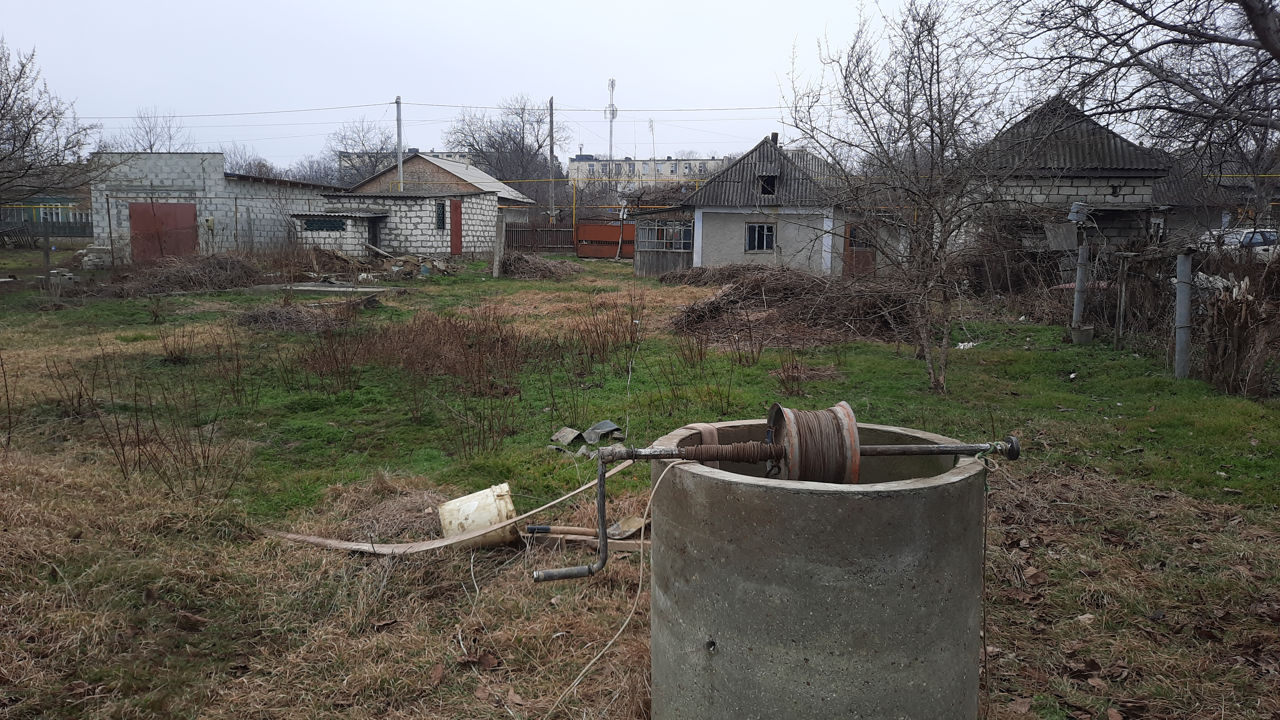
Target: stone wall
pixel 231 214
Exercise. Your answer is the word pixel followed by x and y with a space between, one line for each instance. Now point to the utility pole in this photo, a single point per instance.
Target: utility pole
pixel 611 113
pixel 399 150
pixel 551 156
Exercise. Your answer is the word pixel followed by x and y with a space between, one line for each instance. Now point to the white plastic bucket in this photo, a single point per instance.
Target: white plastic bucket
pixel 477 511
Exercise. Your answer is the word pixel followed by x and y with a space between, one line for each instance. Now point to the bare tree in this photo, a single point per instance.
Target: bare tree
pixel 243 160
pixel 361 149
pixel 910 117
pixel 314 169
pixel 151 131
pixel 511 145
pixel 1199 77
pixel 41 142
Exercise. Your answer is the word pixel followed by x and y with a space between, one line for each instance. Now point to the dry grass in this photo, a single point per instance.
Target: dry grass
pixel 1100 595
pixel 1106 596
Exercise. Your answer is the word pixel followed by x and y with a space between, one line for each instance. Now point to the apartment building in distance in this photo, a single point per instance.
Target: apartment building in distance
pixel 630 173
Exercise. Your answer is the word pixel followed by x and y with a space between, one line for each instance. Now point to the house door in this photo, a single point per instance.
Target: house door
pixel 162 229
pixel 859 257
pixel 455 226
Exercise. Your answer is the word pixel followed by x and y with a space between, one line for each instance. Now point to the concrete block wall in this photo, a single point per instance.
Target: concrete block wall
pixel 231 214
pixel 350 241
pixel 479 223
pixel 411 223
pixel 1096 192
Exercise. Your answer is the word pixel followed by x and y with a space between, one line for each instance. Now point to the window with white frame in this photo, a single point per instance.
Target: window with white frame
pixel 760 237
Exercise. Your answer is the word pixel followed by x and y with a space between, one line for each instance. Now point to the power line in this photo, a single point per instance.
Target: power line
pixel 237 114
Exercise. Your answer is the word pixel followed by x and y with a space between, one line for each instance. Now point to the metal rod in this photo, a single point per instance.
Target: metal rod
pixel 739 452
pixel 602 527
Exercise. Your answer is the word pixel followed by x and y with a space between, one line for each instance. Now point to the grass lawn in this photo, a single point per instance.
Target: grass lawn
pixel 1132 555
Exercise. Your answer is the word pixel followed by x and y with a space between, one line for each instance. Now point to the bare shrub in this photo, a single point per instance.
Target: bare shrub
pixel 199 273
pixel 1242 342
pixel 75 388
pixel 289 317
pixel 178 345
pixel 745 347
pixel 532 267
pixel 692 349
pixel 785 307
pixel 231 364
pixel 188 459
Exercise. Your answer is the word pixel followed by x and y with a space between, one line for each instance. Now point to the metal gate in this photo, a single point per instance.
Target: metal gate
pixel 162 229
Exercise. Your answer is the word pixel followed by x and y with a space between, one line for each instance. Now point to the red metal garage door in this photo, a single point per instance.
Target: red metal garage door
pixel 160 229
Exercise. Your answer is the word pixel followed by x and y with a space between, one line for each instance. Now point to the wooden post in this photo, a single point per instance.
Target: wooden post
pixel 1124 283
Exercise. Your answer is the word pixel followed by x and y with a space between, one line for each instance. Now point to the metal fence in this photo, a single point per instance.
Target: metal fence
pixel 60 229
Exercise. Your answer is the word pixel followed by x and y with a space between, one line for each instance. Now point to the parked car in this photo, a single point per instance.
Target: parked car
pixel 1259 242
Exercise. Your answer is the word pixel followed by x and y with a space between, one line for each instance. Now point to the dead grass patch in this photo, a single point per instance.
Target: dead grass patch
pixel 1105 596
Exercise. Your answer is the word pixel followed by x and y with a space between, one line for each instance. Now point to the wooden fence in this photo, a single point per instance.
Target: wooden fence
pixel 652 263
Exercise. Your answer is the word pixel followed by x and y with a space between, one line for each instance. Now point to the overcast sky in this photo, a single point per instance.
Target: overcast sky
pixel 671 60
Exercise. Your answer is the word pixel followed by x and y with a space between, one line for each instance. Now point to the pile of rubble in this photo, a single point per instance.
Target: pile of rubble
pixel 327 265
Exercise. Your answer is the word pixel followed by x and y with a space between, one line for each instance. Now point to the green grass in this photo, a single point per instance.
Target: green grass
pixel 1071 405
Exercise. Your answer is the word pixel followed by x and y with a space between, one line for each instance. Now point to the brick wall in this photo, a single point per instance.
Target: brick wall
pixel 420 175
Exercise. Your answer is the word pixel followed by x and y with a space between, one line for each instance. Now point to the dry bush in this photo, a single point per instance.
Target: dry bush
pixel 1242 343
pixel 532 267
pixel 708 276
pixel 198 273
pixel 290 317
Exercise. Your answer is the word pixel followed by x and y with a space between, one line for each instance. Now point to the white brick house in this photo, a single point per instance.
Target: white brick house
pixel 437 225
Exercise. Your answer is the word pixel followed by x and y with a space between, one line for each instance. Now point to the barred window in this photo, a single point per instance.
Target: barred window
pixel 324 224
pixel 760 237
pixel 439 216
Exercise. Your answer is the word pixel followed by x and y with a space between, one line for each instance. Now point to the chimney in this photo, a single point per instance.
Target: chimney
pixel 773 138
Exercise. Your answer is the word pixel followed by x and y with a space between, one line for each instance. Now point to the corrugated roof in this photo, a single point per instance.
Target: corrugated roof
pixel 479 178
pixel 280 181
pixel 1058 139
pixel 337 214
pixel 801 178
pixel 469 174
